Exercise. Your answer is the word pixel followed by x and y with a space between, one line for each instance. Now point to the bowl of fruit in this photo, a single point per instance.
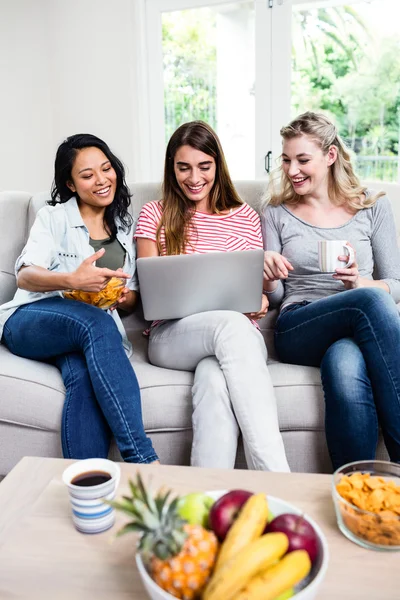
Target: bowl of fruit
pixel 224 545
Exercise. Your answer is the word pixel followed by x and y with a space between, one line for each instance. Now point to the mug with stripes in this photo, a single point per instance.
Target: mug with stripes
pixel 90 482
pixel 329 252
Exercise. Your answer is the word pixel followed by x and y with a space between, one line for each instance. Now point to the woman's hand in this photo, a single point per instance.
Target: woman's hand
pixel 276 266
pixel 256 316
pixel 127 299
pixel 349 276
pixel 90 278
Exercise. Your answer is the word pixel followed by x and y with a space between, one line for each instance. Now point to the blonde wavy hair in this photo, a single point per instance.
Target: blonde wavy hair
pixel 178 210
pixel 344 187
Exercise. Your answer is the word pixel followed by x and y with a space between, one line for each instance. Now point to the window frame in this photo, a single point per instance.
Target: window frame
pixel 264 78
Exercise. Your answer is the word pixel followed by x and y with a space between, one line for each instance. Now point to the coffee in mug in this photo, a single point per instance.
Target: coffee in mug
pixel 328 253
pixel 91 484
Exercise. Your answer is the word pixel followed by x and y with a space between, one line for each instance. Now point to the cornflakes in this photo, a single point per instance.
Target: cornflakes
pixel 380 498
pixel 104 299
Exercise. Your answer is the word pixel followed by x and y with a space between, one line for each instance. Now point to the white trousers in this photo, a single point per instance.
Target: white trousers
pixel 232 387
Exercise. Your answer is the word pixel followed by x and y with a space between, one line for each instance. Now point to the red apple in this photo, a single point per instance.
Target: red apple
pixel 300 533
pixel 225 510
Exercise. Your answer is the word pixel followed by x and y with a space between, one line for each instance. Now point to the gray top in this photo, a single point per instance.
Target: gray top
pixel 371 231
pixel 114 255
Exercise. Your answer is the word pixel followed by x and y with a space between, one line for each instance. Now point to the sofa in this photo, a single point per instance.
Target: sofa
pixel 32 393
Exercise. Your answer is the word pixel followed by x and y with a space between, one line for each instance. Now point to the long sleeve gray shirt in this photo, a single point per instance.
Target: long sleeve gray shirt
pixel 371 231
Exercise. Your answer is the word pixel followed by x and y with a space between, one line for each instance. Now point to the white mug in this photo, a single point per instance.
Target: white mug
pixel 328 252
pixel 90 513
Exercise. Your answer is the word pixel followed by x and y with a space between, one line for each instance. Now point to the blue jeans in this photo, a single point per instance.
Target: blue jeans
pixel 354 337
pixel 102 392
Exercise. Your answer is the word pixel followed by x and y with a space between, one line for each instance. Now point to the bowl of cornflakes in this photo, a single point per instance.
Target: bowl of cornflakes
pixel 366 495
pixel 104 299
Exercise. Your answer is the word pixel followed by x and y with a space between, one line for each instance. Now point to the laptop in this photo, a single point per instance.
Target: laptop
pixel 173 287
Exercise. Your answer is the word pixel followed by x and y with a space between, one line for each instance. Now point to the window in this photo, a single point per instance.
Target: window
pixel 204 59
pixel 247 69
pixel 209 60
pixel 346 62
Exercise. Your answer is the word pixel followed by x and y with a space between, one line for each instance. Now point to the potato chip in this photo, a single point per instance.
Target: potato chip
pixel 104 299
pixel 375 512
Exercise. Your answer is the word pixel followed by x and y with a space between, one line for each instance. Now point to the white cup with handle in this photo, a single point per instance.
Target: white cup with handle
pixel 329 252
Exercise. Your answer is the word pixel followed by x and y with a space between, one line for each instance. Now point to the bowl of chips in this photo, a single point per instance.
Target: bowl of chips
pixel 104 299
pixel 366 495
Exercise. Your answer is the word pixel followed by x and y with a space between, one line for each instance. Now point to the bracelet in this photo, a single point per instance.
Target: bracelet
pixel 266 292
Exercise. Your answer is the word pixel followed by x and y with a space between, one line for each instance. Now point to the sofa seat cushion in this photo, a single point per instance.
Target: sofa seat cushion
pixel 166 393
pixel 297 388
pixel 32 393
pixel 299 397
pixel 37 393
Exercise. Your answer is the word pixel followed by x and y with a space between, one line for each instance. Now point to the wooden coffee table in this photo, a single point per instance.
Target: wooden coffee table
pixel 42 556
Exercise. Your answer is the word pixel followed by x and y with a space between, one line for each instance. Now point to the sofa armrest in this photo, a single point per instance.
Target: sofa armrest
pixel 14 229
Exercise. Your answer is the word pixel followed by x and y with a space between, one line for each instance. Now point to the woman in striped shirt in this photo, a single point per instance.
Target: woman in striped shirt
pixel 201 212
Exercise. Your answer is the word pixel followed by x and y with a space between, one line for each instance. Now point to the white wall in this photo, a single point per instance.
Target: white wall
pixel 65 67
pixel 25 104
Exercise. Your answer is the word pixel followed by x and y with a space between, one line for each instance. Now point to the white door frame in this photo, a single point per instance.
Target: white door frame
pixel 263 118
pixel 273 77
pixel 281 71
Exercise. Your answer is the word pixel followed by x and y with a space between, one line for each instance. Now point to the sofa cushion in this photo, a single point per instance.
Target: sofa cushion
pixel 32 393
pixel 37 393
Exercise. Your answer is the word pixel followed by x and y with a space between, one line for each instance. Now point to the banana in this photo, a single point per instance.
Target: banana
pixel 286 595
pixel 248 526
pixel 245 564
pixel 277 579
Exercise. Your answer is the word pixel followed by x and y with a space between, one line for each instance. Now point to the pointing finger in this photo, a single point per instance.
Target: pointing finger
pixel 91 259
pixel 109 273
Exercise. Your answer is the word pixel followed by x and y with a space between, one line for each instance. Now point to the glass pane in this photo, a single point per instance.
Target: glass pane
pixel 209 71
pixel 346 62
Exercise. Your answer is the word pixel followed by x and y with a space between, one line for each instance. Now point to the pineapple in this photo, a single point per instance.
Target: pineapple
pixel 178 556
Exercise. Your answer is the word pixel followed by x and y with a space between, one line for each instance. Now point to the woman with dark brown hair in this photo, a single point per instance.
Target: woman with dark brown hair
pixel 201 212
pixel 79 241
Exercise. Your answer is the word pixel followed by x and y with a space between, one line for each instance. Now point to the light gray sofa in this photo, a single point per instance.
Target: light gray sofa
pixel 32 393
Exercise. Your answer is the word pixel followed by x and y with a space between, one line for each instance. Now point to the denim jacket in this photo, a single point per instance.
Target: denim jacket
pixel 59 241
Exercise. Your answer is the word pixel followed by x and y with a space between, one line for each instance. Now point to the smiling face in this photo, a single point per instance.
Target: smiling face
pixel 195 174
pixel 306 166
pixel 93 178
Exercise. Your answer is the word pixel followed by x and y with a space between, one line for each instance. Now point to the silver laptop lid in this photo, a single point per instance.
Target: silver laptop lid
pixel 173 287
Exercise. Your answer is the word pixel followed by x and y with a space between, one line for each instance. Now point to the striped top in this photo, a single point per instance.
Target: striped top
pixel 239 229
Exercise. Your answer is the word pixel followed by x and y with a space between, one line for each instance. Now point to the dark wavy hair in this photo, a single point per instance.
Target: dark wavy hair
pixel 60 192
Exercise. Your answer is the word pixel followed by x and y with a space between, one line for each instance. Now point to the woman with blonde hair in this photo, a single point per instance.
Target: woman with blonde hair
pixel 345 322
pixel 200 211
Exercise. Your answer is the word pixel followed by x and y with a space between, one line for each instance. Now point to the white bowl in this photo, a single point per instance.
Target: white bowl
pixel 307 589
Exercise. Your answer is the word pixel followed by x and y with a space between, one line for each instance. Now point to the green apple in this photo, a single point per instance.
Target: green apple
pixel 271 516
pixel 288 594
pixel 194 508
